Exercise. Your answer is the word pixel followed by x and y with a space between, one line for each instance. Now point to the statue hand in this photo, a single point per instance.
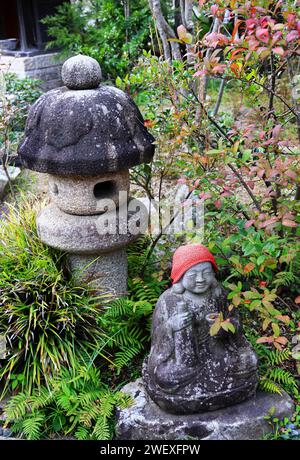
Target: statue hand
pixel 180 321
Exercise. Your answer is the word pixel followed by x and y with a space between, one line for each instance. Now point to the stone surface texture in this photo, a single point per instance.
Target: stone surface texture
pixel 245 421
pixel 95 234
pixel 81 72
pixel 107 273
pixel 89 195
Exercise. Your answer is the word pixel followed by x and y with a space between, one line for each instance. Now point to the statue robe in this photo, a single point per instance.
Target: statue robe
pixel 190 371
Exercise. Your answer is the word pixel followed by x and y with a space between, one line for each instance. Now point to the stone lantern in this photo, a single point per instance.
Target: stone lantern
pixel 86 137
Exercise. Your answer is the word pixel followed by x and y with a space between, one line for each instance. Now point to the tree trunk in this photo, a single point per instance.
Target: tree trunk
pixel 171 49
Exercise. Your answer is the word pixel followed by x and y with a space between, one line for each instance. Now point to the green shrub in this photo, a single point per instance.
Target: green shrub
pixel 47 321
pixel 22 93
pixel 16 97
pixel 99 29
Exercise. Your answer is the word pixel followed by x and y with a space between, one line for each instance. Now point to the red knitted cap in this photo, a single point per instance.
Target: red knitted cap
pixel 186 256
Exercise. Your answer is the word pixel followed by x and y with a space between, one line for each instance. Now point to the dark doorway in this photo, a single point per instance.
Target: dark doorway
pixel 21 20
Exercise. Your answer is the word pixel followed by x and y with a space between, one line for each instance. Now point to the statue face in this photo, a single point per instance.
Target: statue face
pixel 199 278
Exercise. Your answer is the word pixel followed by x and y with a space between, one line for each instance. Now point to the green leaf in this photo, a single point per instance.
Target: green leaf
pixel 261 259
pixel 254 304
pixel 276 329
pixel 227 326
pixel 215 328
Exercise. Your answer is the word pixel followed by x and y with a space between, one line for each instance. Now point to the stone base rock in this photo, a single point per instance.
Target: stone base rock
pixel 145 420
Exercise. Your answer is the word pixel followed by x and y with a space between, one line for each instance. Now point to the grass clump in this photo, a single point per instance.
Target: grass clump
pixel 46 320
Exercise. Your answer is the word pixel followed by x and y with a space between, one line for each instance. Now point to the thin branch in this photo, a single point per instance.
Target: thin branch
pixel 220 96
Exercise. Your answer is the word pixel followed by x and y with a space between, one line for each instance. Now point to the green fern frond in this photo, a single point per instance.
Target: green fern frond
pixel 107 403
pixel 276 357
pixel 119 308
pixel 82 434
pixel 122 358
pixel 40 398
pixel 17 407
pixel 123 400
pixel 85 398
pixel 101 430
pixel 32 426
pixel 282 376
pixel 269 386
pixel 284 279
pixel 89 414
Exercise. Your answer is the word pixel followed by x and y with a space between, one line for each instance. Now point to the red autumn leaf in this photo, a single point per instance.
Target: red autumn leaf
pixel 225 194
pixel 291 174
pixel 262 283
pixel 278 50
pixel 214 9
pixel 218 203
pixel 269 222
pixel 249 223
pixel 289 223
pixel 265 340
pixel 235 69
pixel 284 318
pixel 276 130
pixel 293 35
pixel 183 35
pixel 236 28
pixel 262 135
pixel 262 35
pixel 262 216
pixel 289 215
pixel 291 17
pixel 249 267
pixel 282 340
pixel 148 123
pixel 204 195
pixel 219 68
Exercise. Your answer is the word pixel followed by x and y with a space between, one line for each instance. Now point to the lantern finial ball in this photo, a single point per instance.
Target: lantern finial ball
pixel 81 72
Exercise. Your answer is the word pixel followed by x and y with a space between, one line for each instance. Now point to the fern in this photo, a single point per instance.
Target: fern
pixel 122 358
pixel 77 402
pixel 272 374
pixel 101 431
pixel 285 279
pixel 107 404
pixel 40 398
pixel 82 433
pixel 282 376
pixel 32 426
pixel 17 407
pixel 276 357
pixel 269 386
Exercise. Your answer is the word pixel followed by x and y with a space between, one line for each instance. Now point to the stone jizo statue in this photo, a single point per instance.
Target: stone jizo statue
pixel 189 370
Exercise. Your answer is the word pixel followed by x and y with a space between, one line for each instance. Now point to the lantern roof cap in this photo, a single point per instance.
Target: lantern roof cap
pixel 84 131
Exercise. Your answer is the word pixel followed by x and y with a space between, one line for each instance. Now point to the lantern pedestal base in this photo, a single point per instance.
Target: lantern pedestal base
pixel 106 273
